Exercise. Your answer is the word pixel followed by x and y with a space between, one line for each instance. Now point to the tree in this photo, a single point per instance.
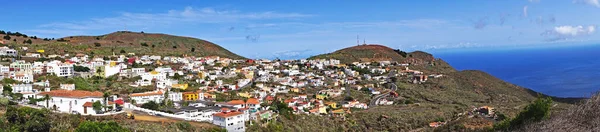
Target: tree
pixel 81 69
pixel 28 41
pixel 6 37
pixel 97 106
pixel 27 119
pixel 47 98
pixel 123 51
pixel 153 46
pixel 89 126
pixel 7 90
pixel 97 44
pixel 144 44
pixel 17 96
pixel 150 105
pixel 174 47
pixel 193 49
pixel 105 95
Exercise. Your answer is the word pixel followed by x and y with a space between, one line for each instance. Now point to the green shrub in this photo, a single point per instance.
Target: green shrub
pixel 534 112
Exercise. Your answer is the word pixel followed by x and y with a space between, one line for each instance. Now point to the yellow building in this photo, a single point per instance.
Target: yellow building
pixel 295 90
pixel 180 86
pixel 188 96
pixel 245 95
pixel 321 96
pixel 331 104
pixel 323 110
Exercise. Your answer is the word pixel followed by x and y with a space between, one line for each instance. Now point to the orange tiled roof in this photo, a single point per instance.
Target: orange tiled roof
pixel 227 114
pixel 72 94
pixel 236 102
pixel 252 101
pixel 88 104
pixel 147 93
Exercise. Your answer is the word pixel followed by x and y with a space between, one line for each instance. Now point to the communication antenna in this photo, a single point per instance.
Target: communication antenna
pixel 364 41
pixel 357 40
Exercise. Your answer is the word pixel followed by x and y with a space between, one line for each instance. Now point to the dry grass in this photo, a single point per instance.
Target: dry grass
pixel 584 117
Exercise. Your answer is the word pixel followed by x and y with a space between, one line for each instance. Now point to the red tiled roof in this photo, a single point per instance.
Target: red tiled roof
pixel 227 114
pixel 289 100
pixel 236 102
pixel 270 98
pixel 252 101
pixel 88 104
pixel 72 94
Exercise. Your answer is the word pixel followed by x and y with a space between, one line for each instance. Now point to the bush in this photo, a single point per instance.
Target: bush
pixel 185 126
pixel 534 112
pixel 97 44
pixel 27 119
pixel 81 69
pixel 150 105
pixel 144 44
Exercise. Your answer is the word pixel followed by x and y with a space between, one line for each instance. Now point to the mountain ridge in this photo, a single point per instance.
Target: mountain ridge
pixel 130 42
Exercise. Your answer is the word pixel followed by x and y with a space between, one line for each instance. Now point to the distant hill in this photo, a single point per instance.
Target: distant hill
pixel 131 42
pixel 363 53
pixel 372 52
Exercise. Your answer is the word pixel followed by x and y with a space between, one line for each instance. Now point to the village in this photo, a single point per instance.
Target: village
pixel 226 92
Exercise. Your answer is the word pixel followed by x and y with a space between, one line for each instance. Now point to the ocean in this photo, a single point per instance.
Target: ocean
pixel 558 71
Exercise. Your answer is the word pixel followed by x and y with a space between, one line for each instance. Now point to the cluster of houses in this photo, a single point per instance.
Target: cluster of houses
pixel 286 82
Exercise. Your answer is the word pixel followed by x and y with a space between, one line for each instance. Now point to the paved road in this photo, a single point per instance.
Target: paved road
pixel 393 87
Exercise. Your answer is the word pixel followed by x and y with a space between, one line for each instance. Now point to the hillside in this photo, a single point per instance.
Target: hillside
pixel 583 117
pixel 420 104
pixel 130 42
pixel 363 53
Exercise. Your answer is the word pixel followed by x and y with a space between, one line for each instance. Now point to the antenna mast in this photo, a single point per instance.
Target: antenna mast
pixel 357 40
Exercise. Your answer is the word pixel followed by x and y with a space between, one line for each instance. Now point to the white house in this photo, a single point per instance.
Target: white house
pixel 60 69
pixel 75 101
pixel 22 76
pixel 175 96
pixel 233 121
pixel 140 98
pixel 112 68
pixel 5 51
pixel 67 86
pixel 20 66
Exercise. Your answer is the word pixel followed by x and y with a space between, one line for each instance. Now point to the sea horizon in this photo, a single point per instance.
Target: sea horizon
pixel 562 71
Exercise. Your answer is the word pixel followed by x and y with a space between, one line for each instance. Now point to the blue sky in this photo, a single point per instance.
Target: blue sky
pixel 298 29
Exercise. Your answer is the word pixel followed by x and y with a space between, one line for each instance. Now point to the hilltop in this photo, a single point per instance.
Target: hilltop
pixel 364 53
pixel 129 42
pixel 372 52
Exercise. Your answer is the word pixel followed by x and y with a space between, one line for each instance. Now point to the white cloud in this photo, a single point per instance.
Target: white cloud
pixel 534 1
pixel 595 3
pixel 561 33
pixel 574 30
pixel 187 15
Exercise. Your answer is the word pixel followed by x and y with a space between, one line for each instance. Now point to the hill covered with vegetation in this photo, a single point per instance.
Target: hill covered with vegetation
pixel 121 42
